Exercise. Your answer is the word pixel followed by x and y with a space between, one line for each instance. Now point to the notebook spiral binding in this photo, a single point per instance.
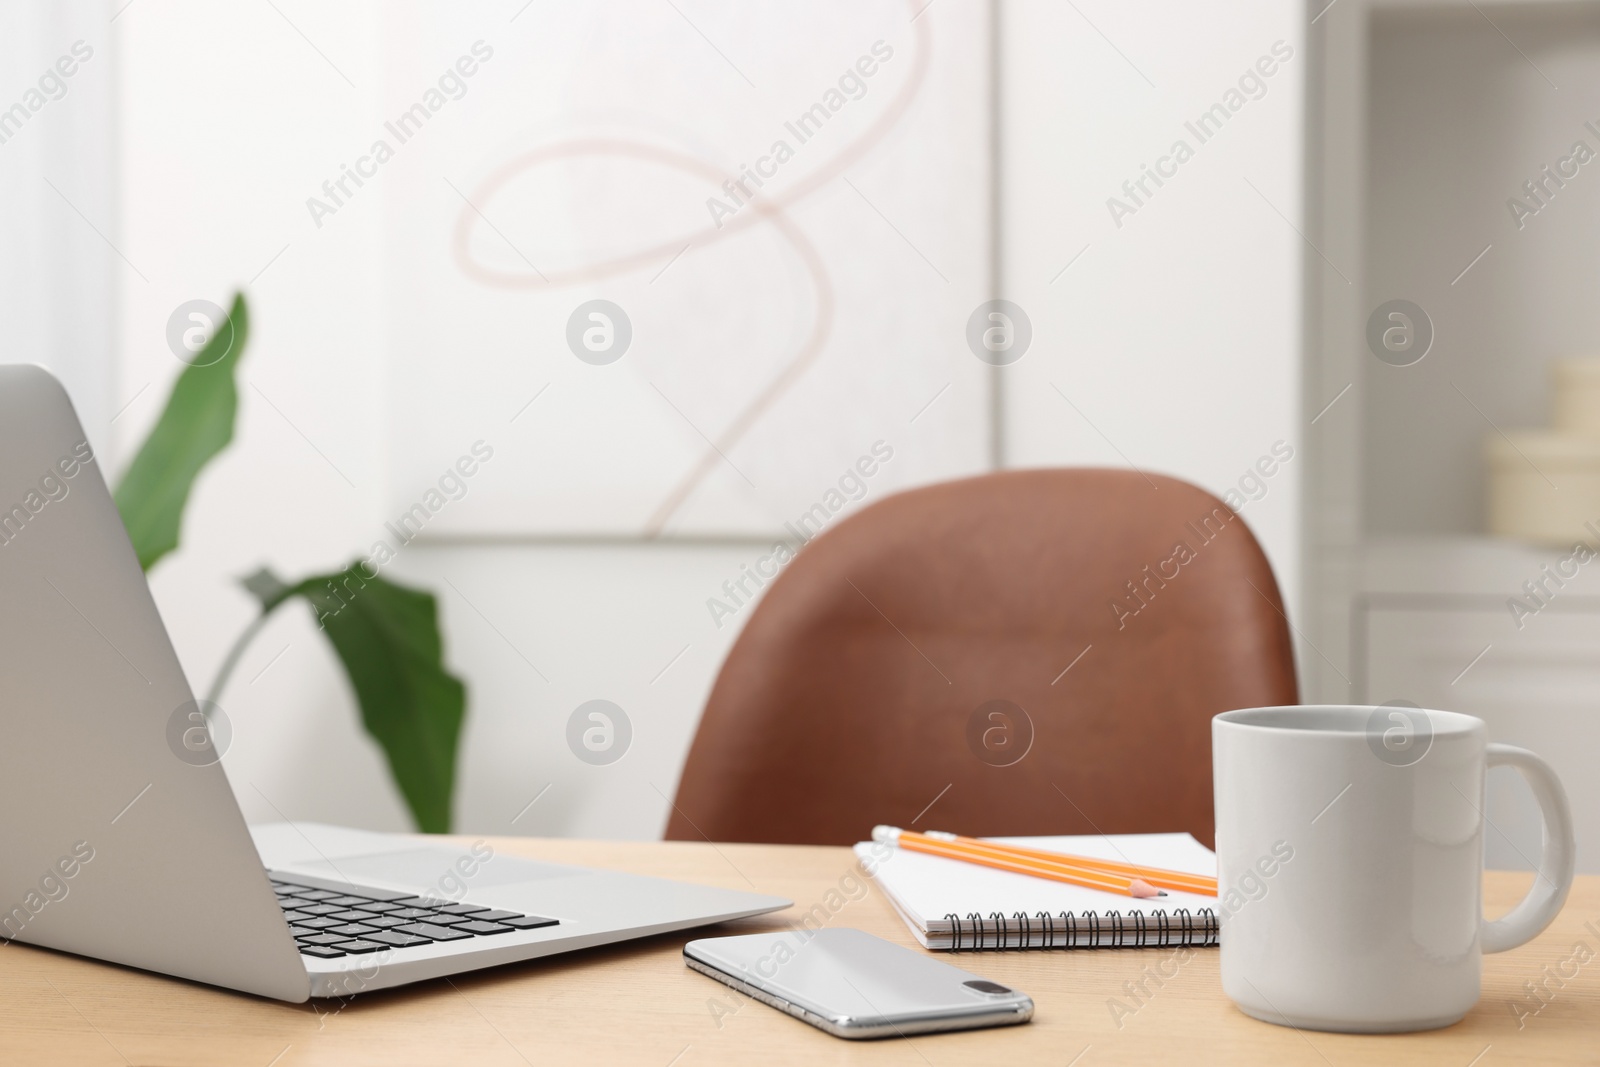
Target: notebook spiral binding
pixel 1087 929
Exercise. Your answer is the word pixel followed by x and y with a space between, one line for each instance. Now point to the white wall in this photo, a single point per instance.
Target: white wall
pixel 58 268
pixel 1176 336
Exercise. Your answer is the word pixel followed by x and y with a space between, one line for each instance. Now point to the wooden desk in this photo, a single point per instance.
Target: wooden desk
pixel 636 1003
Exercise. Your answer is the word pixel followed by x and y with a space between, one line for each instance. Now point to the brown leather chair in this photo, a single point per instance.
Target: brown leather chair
pixel 1027 652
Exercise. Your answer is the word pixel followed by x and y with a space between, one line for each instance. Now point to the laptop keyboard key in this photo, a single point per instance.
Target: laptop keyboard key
pixel 474 926
pixel 319 922
pixel 397 939
pixel 315 894
pixel 445 919
pixel 380 906
pixel 530 922
pixel 321 909
pixel 490 916
pixel 461 909
pixel 384 922
pixel 346 901
pixel 352 929
pixel 322 939
pixel 351 916
pixel 431 932
pixel 321 952
pixel 413 913
pixel 359 946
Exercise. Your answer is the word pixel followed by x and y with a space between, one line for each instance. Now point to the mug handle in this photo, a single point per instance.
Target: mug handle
pixel 1539 908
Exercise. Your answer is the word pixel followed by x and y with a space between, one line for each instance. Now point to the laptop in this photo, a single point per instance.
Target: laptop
pixel 118 844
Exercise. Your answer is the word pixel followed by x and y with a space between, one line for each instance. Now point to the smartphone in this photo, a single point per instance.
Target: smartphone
pixel 854 985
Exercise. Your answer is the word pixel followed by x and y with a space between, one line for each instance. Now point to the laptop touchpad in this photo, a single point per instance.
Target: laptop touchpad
pixel 428 866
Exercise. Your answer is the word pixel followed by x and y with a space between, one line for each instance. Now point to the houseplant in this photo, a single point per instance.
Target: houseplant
pixel 386 635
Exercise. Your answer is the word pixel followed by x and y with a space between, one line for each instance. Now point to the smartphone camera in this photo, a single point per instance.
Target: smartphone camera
pixel 982 986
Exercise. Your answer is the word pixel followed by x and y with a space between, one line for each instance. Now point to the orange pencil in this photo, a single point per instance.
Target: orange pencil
pixel 1093 873
pixel 1090 878
pixel 1156 876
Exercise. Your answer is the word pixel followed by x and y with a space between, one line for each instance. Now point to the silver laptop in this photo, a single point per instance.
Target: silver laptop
pixel 112 845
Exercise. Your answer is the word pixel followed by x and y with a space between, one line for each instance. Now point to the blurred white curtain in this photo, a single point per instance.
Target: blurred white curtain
pixel 59 268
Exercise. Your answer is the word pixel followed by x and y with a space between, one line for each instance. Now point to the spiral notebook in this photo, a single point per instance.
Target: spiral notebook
pixel 954 906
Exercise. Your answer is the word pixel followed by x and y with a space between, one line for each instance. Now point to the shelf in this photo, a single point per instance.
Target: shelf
pixel 1471 567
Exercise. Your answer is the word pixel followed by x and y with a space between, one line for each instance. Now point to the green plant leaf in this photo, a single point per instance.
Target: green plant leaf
pixel 196 424
pixel 387 637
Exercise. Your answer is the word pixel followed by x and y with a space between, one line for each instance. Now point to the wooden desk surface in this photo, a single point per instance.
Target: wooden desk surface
pixel 636 1002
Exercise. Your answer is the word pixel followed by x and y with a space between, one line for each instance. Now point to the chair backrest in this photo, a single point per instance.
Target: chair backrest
pixel 1027 652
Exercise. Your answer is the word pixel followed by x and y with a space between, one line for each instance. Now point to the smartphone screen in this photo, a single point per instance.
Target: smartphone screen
pixel 853 984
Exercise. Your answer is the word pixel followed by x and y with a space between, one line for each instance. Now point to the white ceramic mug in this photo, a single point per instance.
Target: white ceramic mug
pixel 1350 858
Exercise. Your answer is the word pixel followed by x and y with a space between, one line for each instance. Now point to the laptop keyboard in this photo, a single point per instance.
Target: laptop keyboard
pixel 328 924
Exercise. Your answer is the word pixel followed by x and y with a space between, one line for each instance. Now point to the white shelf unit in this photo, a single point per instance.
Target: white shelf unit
pixel 1426 117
